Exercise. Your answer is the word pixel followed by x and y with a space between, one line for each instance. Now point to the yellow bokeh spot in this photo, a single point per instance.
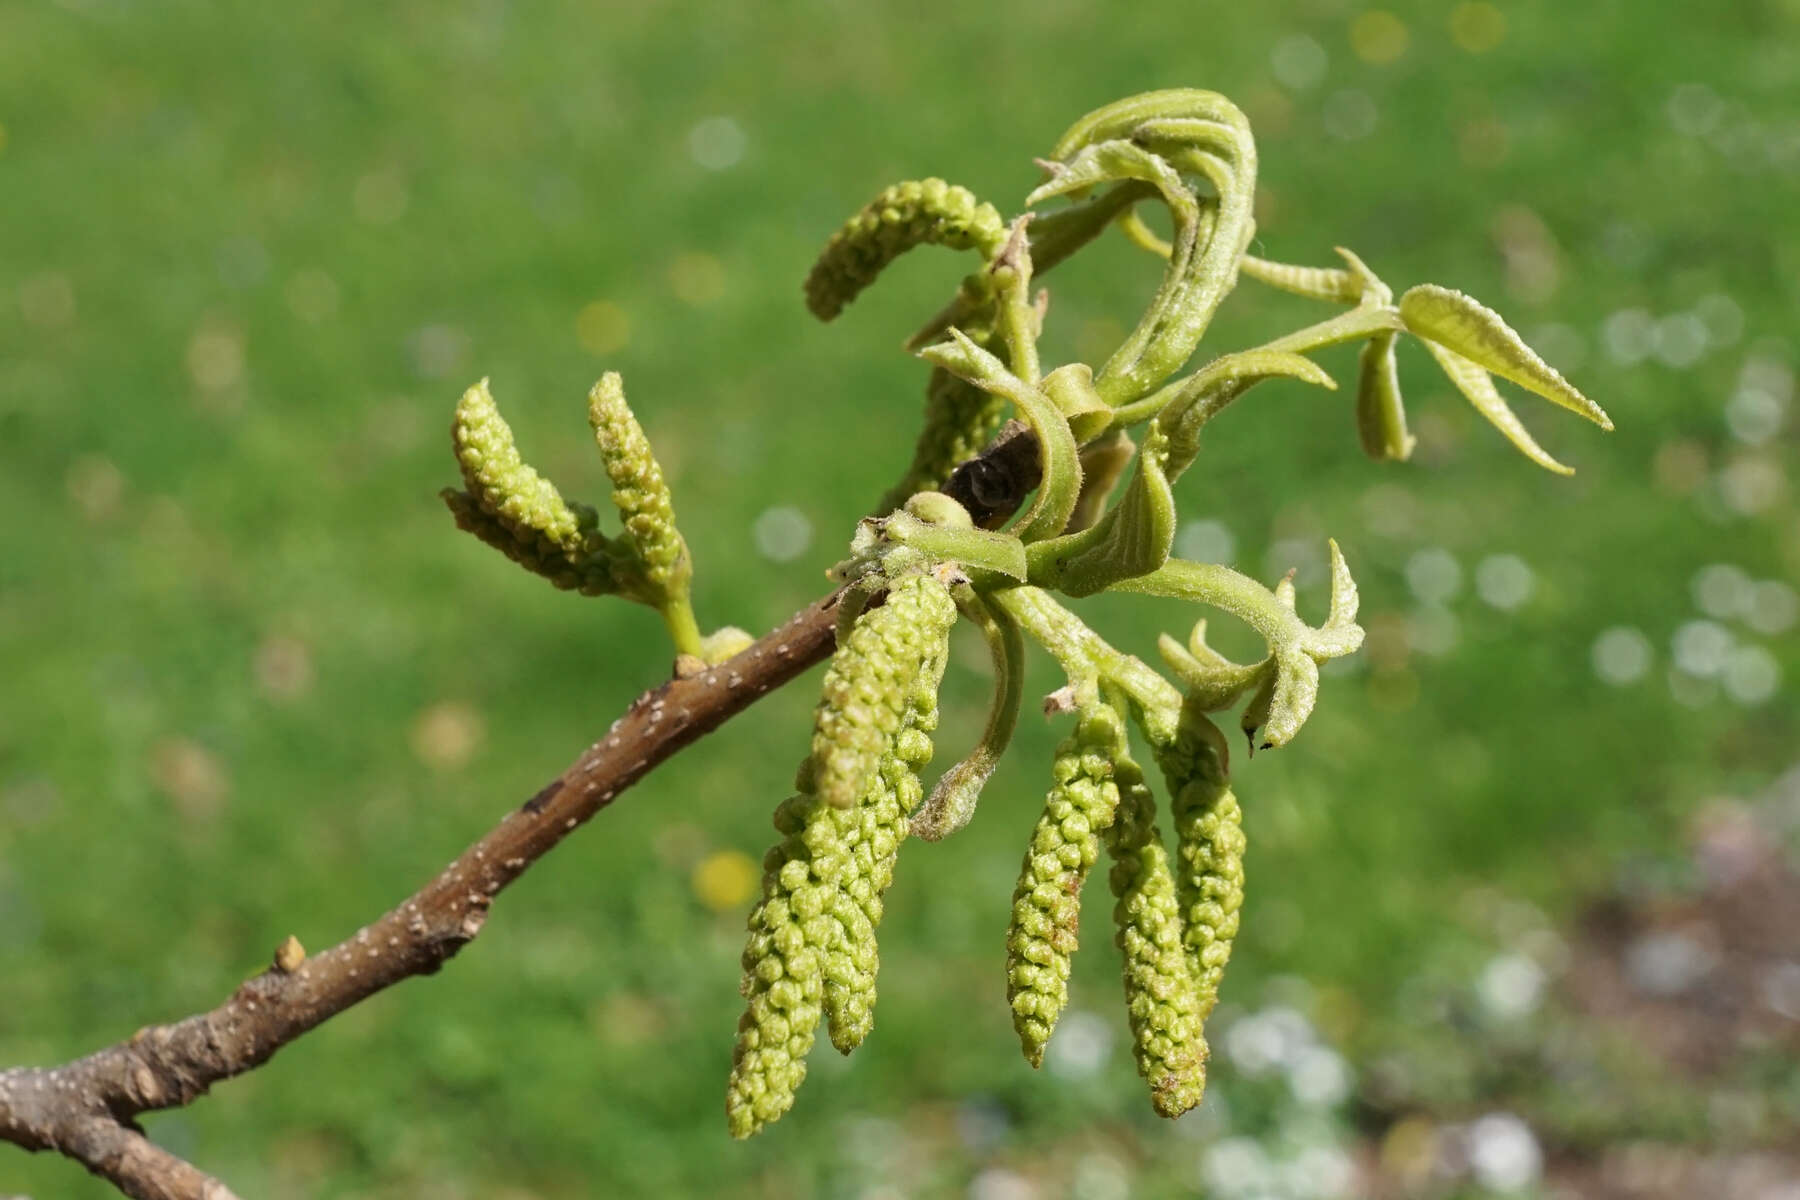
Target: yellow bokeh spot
pixel 602 327
pixel 1379 37
pixel 697 278
pixel 1483 142
pixel 725 880
pixel 1409 1151
pixel 1477 27
pixel 1393 691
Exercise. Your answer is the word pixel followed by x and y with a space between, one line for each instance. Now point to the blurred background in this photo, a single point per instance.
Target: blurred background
pixel 1523 917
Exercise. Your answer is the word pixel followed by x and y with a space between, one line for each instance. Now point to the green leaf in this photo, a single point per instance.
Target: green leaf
pixel 1464 325
pixel 1288 683
pixel 1475 383
pixel 1209 390
pixel 1192 131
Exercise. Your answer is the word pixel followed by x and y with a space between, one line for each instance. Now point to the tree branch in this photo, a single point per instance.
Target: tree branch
pixel 85 1109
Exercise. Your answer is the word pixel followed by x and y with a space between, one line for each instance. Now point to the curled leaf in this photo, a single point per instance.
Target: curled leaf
pixel 1380 414
pixel 1206 393
pixel 1133 538
pixel 981 548
pixel 1314 283
pixel 1287 683
pixel 1475 383
pixel 1188 130
pixel 1211 680
pixel 1071 388
pixel 1103 462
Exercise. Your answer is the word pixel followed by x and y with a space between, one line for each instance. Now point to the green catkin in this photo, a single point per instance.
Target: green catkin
pixel 504 486
pixel 790 932
pixel 869 685
pixel 1046 911
pixel 1209 834
pixel 814 929
pixel 590 575
pixel 914 213
pixel 1160 997
pixel 873 832
pixel 639 491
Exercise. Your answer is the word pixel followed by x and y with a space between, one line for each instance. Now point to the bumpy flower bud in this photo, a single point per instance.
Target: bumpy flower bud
pixel 501 483
pixel 1160 996
pixel 639 491
pixel 915 213
pixel 871 681
pixel 1046 913
pixel 537 555
pixel 1209 835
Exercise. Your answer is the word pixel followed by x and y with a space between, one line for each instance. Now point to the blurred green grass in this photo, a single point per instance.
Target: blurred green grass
pixel 256 685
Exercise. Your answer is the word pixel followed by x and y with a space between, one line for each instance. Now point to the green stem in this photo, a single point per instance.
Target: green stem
pixel 1082 653
pixel 1348 326
pixel 684 630
pixel 1224 589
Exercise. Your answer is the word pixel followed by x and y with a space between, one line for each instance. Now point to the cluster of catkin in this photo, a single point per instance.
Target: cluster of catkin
pixel 811 950
pixel 1173 922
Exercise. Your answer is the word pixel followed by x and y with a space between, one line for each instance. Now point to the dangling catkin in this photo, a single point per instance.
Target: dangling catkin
pixel 1160 997
pixel 1046 913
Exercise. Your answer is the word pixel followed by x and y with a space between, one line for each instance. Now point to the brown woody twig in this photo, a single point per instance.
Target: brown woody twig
pixel 86 1109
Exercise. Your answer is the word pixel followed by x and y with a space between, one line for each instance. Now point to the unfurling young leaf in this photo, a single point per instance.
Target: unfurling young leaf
pixel 1380 414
